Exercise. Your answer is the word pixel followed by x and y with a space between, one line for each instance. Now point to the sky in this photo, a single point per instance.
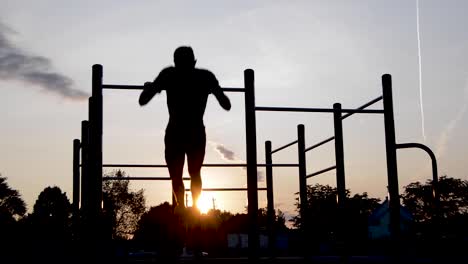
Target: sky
pixel 304 53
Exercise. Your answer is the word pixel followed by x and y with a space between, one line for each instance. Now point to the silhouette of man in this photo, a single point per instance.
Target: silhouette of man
pixel 187 89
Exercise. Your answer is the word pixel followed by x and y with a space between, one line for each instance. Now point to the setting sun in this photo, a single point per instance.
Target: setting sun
pixel 205 203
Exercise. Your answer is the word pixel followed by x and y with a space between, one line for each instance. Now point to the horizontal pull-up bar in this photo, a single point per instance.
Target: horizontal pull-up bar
pixel 317 110
pixel 283 147
pixel 140 87
pixel 204 165
pixel 321 171
pixel 226 189
pixel 140 178
pixel 342 118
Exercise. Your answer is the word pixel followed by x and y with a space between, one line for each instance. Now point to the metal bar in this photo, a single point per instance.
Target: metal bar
pixel 76 176
pixel 342 118
pixel 76 186
pixel 392 171
pixel 141 87
pixel 270 199
pixel 84 167
pixel 204 165
pixel 339 156
pixel 283 147
pixel 133 178
pixel 97 129
pixel 363 107
pixel 279 165
pixel 251 150
pixel 122 87
pixel 95 156
pixel 318 110
pixel 233 90
pixel 302 186
pixel 88 227
pixel 435 176
pixel 320 144
pixel 340 174
pixel 321 171
pixel 227 189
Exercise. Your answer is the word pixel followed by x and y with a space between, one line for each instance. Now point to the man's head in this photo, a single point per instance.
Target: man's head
pixel 184 58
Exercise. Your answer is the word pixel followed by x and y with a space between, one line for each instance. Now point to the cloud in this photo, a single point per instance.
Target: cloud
pixel 441 147
pixel 225 153
pixel 260 176
pixel 18 65
pixel 229 155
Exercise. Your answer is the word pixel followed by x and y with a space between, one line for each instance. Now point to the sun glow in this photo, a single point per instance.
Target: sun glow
pixel 205 203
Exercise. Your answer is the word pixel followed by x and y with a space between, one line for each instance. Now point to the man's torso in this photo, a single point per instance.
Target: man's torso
pixel 187 94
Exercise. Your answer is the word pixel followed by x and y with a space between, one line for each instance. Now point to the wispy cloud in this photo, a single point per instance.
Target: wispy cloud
pixel 229 155
pixel 18 65
pixel 225 153
pixel 441 146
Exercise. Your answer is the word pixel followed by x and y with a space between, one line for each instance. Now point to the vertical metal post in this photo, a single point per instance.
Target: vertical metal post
pixel 98 103
pixel 435 193
pixel 76 185
pixel 392 171
pixel 339 157
pixel 270 200
pixel 340 173
pixel 85 168
pixel 95 153
pixel 251 145
pixel 76 176
pixel 90 213
pixel 303 204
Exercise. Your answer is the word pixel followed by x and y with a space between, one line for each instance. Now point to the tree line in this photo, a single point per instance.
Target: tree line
pixel 129 219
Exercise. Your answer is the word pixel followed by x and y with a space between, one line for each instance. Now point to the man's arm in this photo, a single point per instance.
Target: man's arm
pixel 153 88
pixel 149 91
pixel 222 99
pixel 217 91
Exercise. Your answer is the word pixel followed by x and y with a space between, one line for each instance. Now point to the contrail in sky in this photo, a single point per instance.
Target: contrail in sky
pixel 420 71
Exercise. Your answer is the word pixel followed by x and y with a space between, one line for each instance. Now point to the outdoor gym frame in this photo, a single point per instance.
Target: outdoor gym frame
pixel 92 166
pixel 391 147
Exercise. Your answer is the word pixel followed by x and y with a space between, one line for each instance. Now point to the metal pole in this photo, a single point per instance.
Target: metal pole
pixel 339 157
pixel 302 184
pixel 435 179
pixel 270 200
pixel 97 94
pixel 392 171
pixel 85 172
pixel 251 145
pixel 95 153
pixel 340 172
pixel 76 185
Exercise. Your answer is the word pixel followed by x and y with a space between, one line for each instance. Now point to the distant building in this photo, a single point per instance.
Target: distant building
pixel 241 241
pixel 379 221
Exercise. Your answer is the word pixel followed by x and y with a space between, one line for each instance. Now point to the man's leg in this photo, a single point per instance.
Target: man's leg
pixel 195 157
pixel 175 158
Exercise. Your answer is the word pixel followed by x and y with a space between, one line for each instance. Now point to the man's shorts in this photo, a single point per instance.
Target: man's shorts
pixel 190 142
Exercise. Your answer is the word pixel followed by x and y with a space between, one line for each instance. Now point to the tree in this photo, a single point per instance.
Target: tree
pixel 12 206
pixel 12 211
pixel 51 214
pixel 324 218
pixel 418 199
pixel 122 207
pixel 158 227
